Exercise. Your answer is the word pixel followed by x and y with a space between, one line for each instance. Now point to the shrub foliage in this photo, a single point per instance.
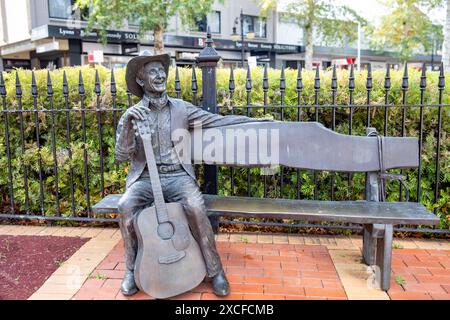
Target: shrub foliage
pixel 114 175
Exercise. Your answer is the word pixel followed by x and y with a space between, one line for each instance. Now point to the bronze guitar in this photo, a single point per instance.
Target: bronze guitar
pixel 169 261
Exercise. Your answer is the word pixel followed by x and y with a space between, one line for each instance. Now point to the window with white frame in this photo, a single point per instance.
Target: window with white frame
pixel 212 20
pixel 61 9
pixel 64 9
pixel 258 25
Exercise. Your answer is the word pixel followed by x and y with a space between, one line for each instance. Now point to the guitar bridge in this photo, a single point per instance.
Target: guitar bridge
pixel 171 258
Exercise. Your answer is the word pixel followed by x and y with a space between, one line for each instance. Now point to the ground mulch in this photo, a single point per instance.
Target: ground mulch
pixel 26 262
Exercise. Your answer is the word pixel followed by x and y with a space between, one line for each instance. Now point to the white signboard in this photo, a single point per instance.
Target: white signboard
pixel 39 33
pixel 47 47
pixel 251 62
pixel 95 56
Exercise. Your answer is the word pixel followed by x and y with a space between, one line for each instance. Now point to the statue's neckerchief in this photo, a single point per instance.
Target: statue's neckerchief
pixel 157 102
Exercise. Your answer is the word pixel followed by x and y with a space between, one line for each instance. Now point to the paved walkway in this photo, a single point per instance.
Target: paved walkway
pixel 259 267
pixel 255 271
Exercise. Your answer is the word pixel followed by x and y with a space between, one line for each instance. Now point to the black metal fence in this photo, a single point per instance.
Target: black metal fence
pixel 27 195
pixel 437 108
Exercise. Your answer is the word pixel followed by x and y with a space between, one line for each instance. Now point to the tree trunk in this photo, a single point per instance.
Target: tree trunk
pixel 446 45
pixel 158 42
pixel 309 48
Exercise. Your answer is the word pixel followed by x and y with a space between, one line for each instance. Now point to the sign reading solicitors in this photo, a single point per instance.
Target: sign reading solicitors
pixel 75 33
pixel 133 37
pixel 269 46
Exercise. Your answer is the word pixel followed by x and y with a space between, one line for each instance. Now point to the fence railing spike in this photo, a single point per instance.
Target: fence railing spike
pixel 265 84
pixel 299 85
pixel 351 79
pixel 18 85
pixel 334 79
pixel 194 86
pixel 441 82
pixel 317 80
pixel 2 85
pixel 49 84
pixel 369 82
pixel 405 77
pixel 177 83
pixel 423 77
pixel 387 77
pixel 65 84
pixel 248 82
pixel 231 85
pixel 97 89
pixel 113 83
pixel 33 84
pixel 81 91
pixel 282 79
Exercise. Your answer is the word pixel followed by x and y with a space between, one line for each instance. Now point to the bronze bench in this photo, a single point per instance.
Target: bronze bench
pixel 311 146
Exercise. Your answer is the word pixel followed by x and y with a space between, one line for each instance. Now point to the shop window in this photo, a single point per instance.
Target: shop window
pixel 294 64
pixel 60 9
pixel 64 9
pixel 258 25
pixel 109 61
pixel 326 64
pixel 212 20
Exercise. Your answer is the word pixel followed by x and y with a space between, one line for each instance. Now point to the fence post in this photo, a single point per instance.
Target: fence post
pixel 207 62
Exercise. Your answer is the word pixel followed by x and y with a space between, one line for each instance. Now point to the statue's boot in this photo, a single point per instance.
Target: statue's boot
pixel 220 284
pixel 128 286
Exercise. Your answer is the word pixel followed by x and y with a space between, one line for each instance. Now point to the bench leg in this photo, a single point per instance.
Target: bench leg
pixel 369 245
pixel 384 256
pixel 372 232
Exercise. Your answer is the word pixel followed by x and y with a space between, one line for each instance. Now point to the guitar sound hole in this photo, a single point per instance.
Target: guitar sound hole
pixel 165 230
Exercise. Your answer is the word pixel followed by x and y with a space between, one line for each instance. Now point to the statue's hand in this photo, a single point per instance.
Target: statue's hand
pixel 135 113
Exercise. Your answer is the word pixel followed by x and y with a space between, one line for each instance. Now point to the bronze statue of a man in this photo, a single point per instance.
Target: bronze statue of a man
pixel 146 77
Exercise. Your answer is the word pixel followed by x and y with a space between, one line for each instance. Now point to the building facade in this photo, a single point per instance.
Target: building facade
pixel 54 35
pixel 50 34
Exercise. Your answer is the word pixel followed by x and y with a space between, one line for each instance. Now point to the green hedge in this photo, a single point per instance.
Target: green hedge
pixel 114 176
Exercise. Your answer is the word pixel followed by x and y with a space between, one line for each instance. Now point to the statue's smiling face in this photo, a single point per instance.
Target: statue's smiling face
pixel 153 77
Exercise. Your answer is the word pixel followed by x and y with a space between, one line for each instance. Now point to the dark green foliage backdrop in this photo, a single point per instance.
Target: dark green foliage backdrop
pixel 114 176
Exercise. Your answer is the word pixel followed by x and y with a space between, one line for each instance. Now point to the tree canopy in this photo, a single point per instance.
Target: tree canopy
pixel 330 23
pixel 407 28
pixel 148 15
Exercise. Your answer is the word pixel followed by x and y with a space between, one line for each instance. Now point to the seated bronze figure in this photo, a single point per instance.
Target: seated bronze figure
pixel 146 77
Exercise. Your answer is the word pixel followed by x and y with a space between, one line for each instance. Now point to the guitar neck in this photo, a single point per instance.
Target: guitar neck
pixel 160 205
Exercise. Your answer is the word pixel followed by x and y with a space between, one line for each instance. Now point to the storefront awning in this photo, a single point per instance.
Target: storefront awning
pixel 17 47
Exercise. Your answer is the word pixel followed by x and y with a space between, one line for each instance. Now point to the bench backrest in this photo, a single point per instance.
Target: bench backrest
pixel 306 145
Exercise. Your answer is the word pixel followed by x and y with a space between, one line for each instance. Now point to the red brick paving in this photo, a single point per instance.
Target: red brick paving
pixel 255 271
pixel 426 274
pixel 287 271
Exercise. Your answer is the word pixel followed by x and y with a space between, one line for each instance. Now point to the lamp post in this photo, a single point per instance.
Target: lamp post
pixel 242 38
pixel 235 35
pixel 358 65
pixel 432 52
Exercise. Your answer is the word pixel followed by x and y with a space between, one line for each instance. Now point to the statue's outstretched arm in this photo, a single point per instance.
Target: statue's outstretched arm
pixel 199 117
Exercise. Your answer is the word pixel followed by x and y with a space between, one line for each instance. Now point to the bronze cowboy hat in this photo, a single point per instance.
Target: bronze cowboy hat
pixel 139 62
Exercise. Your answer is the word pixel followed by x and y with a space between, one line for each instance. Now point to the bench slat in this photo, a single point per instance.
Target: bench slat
pixel 107 205
pixel 306 145
pixel 338 211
